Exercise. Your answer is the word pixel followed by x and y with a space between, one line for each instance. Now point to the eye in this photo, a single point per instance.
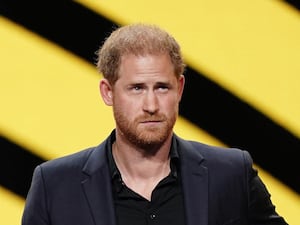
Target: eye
pixel 136 88
pixel 163 88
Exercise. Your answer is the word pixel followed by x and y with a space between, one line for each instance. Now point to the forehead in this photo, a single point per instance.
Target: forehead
pixel 146 64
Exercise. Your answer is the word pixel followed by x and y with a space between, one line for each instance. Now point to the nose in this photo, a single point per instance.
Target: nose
pixel 150 103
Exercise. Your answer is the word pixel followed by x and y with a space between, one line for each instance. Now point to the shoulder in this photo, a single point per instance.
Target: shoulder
pixel 69 163
pixel 213 154
pixel 87 161
pixel 76 161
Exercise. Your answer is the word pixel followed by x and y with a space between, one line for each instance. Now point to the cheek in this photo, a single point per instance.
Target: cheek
pixel 125 104
pixel 171 103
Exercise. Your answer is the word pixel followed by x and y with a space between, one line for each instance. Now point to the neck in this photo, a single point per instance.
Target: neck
pixel 139 171
pixel 136 163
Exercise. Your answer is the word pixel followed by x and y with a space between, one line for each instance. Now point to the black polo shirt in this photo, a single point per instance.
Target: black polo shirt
pixel 166 206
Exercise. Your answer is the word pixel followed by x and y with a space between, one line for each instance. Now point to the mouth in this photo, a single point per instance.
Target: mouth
pixel 152 121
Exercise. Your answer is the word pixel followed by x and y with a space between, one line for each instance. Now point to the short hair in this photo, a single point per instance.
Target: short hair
pixel 138 39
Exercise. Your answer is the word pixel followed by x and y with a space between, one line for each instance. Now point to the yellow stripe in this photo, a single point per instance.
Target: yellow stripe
pixel 11 207
pixel 49 97
pixel 249 47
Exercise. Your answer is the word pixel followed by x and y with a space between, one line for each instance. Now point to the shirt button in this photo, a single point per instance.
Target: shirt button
pixel 152 216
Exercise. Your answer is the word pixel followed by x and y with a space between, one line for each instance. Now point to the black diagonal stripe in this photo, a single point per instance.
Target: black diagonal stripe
pixel 16 166
pixel 204 103
pixel 66 23
pixel 293 3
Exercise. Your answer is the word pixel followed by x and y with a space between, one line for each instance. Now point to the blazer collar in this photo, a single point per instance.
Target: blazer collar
pixel 195 183
pixel 97 185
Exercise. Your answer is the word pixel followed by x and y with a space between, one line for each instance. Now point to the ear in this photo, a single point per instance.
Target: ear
pixel 181 82
pixel 106 92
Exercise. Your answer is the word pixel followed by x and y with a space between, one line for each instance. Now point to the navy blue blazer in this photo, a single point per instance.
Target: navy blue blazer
pixel 219 185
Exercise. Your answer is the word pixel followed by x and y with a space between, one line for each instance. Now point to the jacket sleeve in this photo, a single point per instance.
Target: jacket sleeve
pixel 261 209
pixel 35 211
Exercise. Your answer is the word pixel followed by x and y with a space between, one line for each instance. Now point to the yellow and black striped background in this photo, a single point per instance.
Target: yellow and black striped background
pixel 242 90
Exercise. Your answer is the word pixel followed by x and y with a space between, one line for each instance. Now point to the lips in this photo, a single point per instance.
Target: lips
pixel 152 121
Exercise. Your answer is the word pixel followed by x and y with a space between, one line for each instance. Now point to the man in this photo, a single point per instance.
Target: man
pixel 143 173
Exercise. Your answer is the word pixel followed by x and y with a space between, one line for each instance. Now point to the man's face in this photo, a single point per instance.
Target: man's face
pixel 146 98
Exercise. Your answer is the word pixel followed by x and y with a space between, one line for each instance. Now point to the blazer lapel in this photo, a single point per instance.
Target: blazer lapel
pixel 98 191
pixel 195 184
pixel 97 187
